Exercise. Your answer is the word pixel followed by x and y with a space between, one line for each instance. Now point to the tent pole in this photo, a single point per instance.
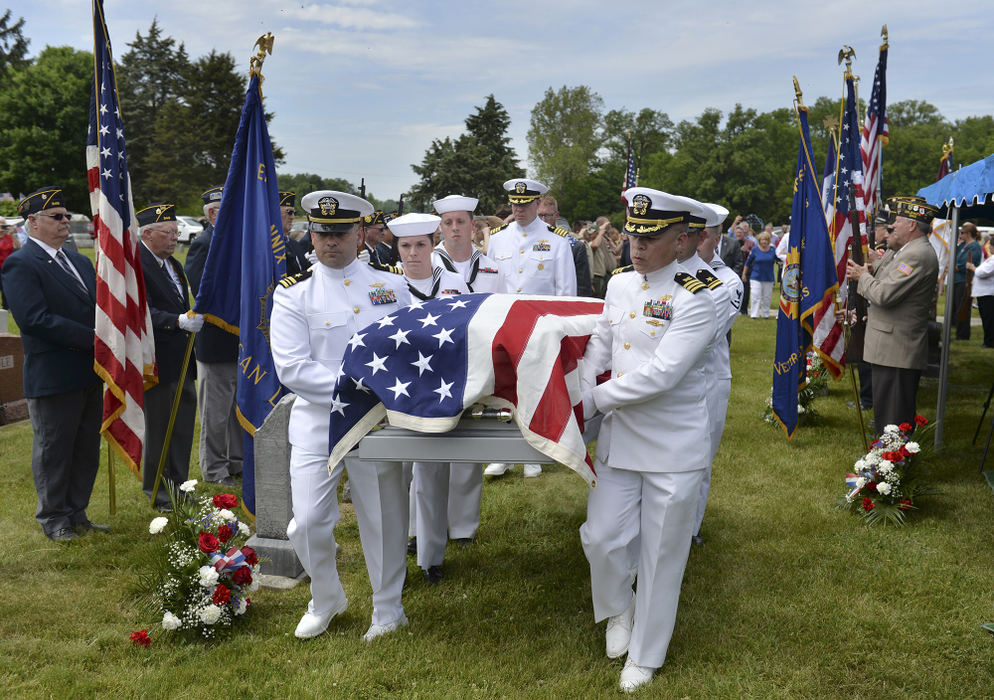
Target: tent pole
pixel 940 409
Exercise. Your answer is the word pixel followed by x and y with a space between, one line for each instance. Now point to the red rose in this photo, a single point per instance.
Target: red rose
pixel 905 427
pixel 225 500
pixel 208 543
pixel 250 556
pixel 921 420
pixel 221 594
pixel 905 504
pixel 140 638
pixel 867 503
pixel 904 452
pixel 224 533
pixel 242 575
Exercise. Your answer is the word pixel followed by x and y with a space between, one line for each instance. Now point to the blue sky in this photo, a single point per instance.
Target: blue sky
pixel 361 87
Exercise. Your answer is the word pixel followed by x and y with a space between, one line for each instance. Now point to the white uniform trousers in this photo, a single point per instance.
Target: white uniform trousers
pixel 311 531
pixel 431 490
pixel 657 509
pixel 381 509
pixel 717 410
pixel 465 492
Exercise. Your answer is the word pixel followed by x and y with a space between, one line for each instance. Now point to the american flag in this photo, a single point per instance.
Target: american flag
pixel 124 349
pixel 422 365
pixel 875 134
pixel 942 229
pixel 829 338
pixel 631 173
pixel 828 178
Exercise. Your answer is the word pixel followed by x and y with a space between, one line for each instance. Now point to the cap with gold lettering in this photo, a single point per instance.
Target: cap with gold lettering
pixel 212 195
pixel 43 198
pixel 156 214
pixel 911 207
pixel 288 199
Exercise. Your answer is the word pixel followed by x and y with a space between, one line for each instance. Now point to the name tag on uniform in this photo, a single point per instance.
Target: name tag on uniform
pixel 905 269
pixel 382 296
pixel 658 308
pixel 542 246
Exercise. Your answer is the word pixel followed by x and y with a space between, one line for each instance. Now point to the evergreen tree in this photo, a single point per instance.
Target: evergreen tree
pixel 13 45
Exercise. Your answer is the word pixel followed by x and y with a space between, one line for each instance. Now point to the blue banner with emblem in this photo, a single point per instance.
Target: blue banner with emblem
pixel 246 258
pixel 809 283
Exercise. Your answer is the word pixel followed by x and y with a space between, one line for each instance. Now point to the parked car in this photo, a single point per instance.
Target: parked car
pixel 189 228
pixel 298 229
pixel 81 230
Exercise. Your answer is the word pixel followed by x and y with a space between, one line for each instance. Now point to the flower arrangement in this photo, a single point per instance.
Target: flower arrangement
pixel 205 572
pixel 889 479
pixel 816 384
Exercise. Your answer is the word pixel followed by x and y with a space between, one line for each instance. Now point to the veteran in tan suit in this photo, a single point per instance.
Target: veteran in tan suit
pixel 900 294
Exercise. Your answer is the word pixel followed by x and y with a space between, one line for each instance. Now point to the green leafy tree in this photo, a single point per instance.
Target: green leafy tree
pixel 650 132
pixel 13 45
pixel 44 116
pixel 303 183
pixel 565 135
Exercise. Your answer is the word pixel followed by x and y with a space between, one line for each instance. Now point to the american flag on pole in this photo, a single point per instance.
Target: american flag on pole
pixel 124 348
pixel 631 172
pixel 829 339
pixel 422 365
pixel 828 178
pixel 875 134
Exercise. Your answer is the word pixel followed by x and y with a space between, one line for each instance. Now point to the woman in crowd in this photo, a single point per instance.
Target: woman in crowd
pixel 758 274
pixel 983 291
pixel 967 251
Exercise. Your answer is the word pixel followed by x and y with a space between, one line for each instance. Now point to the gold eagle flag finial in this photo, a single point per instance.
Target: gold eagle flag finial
pixel 847 54
pixel 797 93
pixel 883 35
pixel 265 45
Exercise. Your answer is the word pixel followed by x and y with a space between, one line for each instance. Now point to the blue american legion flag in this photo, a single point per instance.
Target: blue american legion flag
pixel 246 258
pixel 875 134
pixel 809 284
pixel 124 348
pixel 422 365
pixel 829 338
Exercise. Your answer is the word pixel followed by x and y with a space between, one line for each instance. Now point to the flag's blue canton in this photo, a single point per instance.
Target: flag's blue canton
pixel 106 129
pixel 414 360
pixel 828 178
pixel 850 158
pixel 631 177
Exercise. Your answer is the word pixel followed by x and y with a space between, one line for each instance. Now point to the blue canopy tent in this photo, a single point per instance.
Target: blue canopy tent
pixel 964 193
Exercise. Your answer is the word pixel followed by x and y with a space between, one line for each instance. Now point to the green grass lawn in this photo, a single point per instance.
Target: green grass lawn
pixel 789 597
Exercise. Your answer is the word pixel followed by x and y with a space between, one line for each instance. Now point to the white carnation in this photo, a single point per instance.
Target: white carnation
pixel 208 576
pixel 883 488
pixel 188 486
pixel 860 482
pixel 226 515
pixel 885 466
pixel 913 447
pixel 157 525
pixel 243 528
pixel 871 459
pixel 891 428
pixel 242 606
pixel 170 621
pixel 209 614
pixel 860 465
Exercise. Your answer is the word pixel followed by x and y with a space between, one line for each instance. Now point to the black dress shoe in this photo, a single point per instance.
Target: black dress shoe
pixel 228 481
pixel 63 534
pixel 434 575
pixel 464 541
pixel 87 526
pixel 697 540
pixel 412 545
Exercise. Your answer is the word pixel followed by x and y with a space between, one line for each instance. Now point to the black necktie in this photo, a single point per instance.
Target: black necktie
pixel 63 261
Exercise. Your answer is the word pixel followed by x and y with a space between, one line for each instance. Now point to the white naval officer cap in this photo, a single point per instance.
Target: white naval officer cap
pixel 651 211
pixel 414 224
pixel 697 213
pixel 716 214
pixel 521 190
pixel 330 211
pixel 455 202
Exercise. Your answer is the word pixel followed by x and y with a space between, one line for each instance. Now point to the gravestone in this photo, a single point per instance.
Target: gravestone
pixel 273 508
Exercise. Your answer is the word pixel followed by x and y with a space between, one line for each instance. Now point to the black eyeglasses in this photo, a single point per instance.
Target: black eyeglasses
pixel 547 216
pixel 57 217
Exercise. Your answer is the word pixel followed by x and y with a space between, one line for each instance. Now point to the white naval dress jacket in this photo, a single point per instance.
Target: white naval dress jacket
pixel 480 273
pixel 652 335
pixel 312 322
pixel 534 259
pixel 723 369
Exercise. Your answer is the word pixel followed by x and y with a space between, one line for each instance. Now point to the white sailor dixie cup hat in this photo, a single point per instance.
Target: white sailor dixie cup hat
pixel 716 214
pixel 414 225
pixel 650 211
pixel 330 211
pixel 455 202
pixel 521 190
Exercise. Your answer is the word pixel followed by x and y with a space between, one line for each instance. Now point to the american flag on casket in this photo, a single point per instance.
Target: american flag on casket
pixel 422 365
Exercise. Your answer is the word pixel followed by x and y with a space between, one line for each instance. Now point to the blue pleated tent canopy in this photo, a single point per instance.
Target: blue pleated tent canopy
pixel 967 193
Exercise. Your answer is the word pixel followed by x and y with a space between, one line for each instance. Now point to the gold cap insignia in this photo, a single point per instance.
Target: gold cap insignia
pixel 640 204
pixel 328 205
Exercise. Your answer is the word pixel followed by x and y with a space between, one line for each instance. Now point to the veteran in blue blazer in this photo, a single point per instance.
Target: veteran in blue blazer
pixel 52 296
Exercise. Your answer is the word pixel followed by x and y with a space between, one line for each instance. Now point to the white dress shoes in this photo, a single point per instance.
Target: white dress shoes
pixel 532 470
pixel 375 631
pixel 619 632
pixel 312 625
pixel 497 468
pixel 634 676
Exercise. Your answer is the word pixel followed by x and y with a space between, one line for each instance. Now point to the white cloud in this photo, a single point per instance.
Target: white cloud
pixel 350 17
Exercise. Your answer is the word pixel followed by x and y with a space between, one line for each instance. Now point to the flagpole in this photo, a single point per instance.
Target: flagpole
pixel 172 417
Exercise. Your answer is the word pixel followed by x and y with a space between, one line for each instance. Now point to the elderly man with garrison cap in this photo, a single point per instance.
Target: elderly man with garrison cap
pixel 899 290
pixel 52 296
pixel 168 304
pixel 221 436
pixel 315 314
pixel 653 446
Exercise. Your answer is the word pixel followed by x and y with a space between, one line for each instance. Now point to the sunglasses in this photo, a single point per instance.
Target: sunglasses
pixel 57 217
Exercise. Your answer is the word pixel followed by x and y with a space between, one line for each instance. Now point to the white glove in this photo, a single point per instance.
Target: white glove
pixel 589 407
pixel 190 323
pixel 312 258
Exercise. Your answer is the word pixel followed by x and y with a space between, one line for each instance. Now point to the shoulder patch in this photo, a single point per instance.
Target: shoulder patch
pixel 386 268
pixel 291 280
pixel 688 282
pixel 707 278
pixel 619 270
pixel 499 228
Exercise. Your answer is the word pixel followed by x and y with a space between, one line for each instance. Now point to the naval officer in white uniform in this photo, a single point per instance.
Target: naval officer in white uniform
pixel 653 445
pixel 535 257
pixel 315 313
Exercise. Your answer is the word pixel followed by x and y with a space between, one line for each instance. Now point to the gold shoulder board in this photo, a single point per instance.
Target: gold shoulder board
pixel 707 278
pixel 386 268
pixel 688 282
pixel 559 231
pixel 291 280
pixel 626 268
